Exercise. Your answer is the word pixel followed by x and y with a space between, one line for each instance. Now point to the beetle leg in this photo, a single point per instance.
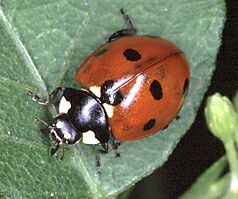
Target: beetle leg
pixel 127 19
pixel 43 101
pixel 62 156
pixel 115 146
pixel 130 30
pixel 98 162
pixel 105 147
pixel 54 150
pixel 97 156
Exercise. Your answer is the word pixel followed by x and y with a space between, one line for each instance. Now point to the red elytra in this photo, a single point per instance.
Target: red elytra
pixel 145 80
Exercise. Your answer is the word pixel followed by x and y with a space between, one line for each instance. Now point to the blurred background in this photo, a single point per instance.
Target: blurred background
pixel 198 149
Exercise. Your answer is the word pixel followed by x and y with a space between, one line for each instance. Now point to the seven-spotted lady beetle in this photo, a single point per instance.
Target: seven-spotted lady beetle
pixel 133 87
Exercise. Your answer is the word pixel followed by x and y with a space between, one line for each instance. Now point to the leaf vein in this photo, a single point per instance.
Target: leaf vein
pixel 15 37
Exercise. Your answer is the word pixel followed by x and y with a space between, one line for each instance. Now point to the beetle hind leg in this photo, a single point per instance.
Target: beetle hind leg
pixel 127 20
pixel 130 30
pixel 115 146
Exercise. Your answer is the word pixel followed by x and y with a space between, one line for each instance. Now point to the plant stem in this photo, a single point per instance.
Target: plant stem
pixel 233 162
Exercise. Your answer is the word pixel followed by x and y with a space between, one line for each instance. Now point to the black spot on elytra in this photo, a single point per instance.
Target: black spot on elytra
pixel 156 90
pixel 100 52
pixel 131 55
pixel 185 87
pixel 109 94
pixel 149 125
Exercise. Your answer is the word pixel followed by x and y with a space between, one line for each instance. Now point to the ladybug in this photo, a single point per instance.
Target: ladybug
pixel 134 86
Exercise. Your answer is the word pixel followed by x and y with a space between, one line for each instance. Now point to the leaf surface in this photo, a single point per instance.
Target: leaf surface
pixel 42 45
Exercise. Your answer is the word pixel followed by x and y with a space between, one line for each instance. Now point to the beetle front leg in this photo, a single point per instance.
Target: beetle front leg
pixel 54 150
pixel 43 101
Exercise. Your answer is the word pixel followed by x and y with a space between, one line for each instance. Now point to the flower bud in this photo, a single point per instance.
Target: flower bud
pixel 221 117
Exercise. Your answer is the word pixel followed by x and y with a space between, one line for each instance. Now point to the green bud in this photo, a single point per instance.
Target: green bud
pixel 221 117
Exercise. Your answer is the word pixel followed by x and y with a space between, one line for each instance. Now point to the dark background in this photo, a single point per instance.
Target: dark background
pixel 198 149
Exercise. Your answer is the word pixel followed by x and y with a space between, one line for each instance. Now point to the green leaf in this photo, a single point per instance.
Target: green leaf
pixel 208 185
pixel 42 44
pixel 125 194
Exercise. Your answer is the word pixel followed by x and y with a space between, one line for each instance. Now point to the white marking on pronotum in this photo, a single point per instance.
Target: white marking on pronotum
pixel 96 90
pixel 89 138
pixel 109 109
pixel 64 105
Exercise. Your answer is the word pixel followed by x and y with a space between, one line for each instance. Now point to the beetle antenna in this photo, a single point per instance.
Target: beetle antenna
pixel 43 122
